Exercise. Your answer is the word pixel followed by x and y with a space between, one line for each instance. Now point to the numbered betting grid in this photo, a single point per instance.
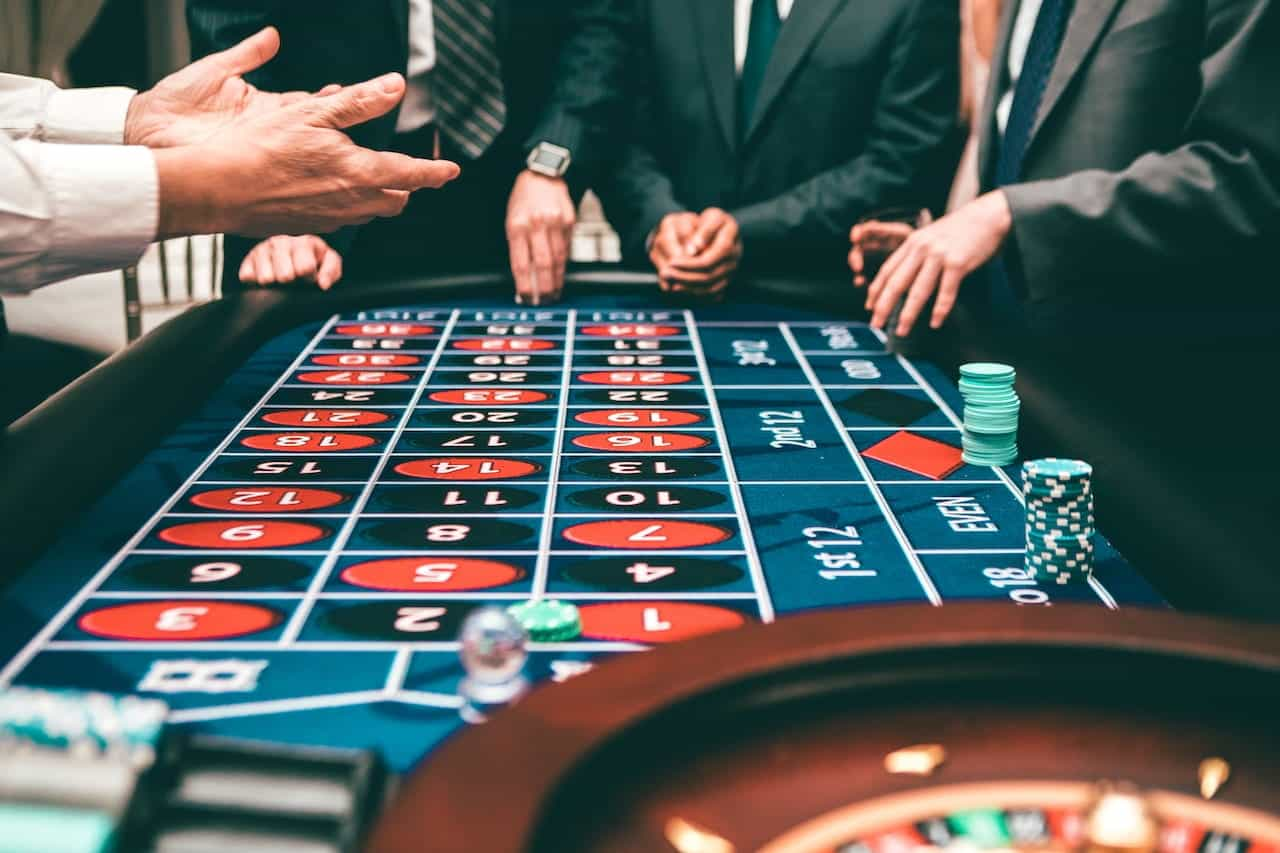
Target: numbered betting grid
pixel 419 462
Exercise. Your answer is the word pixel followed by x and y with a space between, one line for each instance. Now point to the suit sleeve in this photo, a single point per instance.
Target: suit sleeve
pixel 1216 194
pixel 586 101
pixel 635 190
pixel 909 149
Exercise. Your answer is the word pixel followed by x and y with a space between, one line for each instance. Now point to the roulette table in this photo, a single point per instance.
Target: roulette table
pixel 275 512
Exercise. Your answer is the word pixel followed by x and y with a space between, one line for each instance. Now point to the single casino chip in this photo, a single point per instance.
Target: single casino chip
pixel 548 621
pixel 987 372
pixel 1054 469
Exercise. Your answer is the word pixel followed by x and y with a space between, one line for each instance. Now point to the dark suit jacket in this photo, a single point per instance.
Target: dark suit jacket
pixel 1153 174
pixel 561 64
pixel 857 113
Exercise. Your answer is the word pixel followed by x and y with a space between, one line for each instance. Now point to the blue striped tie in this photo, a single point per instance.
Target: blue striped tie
pixel 1042 52
pixel 466 84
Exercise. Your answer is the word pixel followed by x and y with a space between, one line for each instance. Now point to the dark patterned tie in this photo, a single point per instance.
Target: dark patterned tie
pixel 761 37
pixel 466 84
pixel 1042 53
pixel 1006 278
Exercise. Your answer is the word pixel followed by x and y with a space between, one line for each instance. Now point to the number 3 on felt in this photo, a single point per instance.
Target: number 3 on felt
pixel 179 618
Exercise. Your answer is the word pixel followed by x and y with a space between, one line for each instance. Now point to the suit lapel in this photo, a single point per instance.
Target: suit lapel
pixel 996 85
pixel 714 32
pixel 1088 22
pixel 806 22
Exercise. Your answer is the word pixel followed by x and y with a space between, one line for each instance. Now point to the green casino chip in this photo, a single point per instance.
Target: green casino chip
pixel 1059 470
pixel 83 722
pixel 548 621
pixel 991 408
pixel 985 371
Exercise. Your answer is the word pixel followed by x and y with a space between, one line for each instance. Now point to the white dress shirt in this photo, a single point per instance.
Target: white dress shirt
pixel 742 26
pixel 416 110
pixel 1019 41
pixel 73 198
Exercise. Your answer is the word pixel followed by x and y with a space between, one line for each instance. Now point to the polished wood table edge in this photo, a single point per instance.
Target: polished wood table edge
pixel 518 759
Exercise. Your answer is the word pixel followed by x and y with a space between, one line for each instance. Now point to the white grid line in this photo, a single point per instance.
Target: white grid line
pixel 735 490
pixel 316 646
pixel 403 552
pixel 380 595
pixel 543 563
pixel 53 626
pixel 303 610
pixel 926 582
pixel 544 554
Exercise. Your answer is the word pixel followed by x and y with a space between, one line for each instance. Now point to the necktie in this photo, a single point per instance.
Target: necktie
pixel 467 81
pixel 761 37
pixel 1042 53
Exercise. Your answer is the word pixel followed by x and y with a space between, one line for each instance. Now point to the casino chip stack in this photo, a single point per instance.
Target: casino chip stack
pixel 75 768
pixel 990 414
pixel 1059 495
pixel 548 621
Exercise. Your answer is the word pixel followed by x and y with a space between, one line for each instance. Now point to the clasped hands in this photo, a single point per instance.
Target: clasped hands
pixel 696 254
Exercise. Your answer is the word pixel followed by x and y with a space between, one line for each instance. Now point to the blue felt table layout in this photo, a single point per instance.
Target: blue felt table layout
pixel 744 494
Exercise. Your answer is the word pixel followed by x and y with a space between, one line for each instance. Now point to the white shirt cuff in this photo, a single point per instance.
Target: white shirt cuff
pixel 106 202
pixel 88 116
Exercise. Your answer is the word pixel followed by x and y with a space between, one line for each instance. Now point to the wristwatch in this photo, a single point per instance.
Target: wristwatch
pixel 549 159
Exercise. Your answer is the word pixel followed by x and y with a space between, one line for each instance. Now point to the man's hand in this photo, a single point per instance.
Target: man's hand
pixel 284 259
pixel 874 241
pixel 292 170
pixel 696 255
pixel 671 239
pixel 191 105
pixel 540 220
pixel 939 257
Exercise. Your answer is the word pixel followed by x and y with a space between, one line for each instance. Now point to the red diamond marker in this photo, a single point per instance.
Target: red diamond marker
pixel 927 457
